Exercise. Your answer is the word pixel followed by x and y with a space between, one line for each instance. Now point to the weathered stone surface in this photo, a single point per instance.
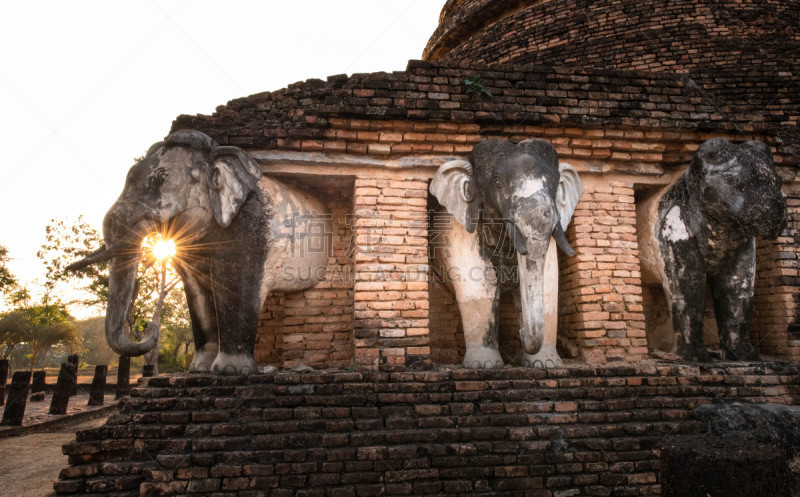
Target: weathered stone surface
pixel 17 398
pixel 701 231
pixel 67 378
pixel 700 465
pixel 3 379
pixel 567 431
pixel 98 388
pixel 37 386
pixel 123 377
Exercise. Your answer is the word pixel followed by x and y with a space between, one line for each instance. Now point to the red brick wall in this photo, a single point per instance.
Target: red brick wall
pixel 600 301
pixel 446 332
pixel 315 326
pixel 391 273
pixel 776 305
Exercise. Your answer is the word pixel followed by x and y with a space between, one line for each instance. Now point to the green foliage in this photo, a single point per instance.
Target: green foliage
pixel 41 328
pixel 7 280
pixel 14 328
pixel 475 86
pixel 64 244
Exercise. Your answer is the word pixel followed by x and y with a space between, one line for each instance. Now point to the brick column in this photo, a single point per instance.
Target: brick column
pixel 391 274
pixel 776 303
pixel 600 303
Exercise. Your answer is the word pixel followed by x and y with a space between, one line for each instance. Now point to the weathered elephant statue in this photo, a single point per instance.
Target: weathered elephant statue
pixel 239 237
pixel 507 201
pixel 702 230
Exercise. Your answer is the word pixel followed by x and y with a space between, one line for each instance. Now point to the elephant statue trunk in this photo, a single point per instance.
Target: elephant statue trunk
pixel 123 268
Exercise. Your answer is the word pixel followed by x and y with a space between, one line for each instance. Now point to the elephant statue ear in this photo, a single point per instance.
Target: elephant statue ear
pixel 234 174
pixel 453 188
pixel 569 192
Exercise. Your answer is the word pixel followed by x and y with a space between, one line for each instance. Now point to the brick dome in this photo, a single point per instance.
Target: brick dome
pixel 676 35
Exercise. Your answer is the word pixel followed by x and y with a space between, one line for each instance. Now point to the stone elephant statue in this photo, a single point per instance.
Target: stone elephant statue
pixel 508 201
pixel 701 230
pixel 239 236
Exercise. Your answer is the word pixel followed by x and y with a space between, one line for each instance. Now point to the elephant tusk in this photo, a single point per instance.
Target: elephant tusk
pixel 561 241
pixel 102 254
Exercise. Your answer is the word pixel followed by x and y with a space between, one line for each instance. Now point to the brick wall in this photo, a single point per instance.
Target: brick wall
pixel 669 36
pixel 446 331
pixel 576 431
pixel 391 273
pixel 776 304
pixel 315 326
pixel 600 300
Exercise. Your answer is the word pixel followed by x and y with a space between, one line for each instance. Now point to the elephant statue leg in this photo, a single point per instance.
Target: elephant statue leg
pixel 685 276
pixel 478 316
pixel 200 300
pixel 732 291
pixel 547 357
pixel 475 283
pixel 238 285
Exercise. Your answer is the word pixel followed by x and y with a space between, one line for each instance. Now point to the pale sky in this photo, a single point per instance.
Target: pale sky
pixel 86 86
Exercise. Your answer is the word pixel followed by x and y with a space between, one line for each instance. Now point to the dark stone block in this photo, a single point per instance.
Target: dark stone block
pixel 64 384
pixel 37 386
pixel 74 359
pixel 702 465
pixel 98 390
pixel 124 377
pixel 3 378
pixel 148 371
pixel 17 399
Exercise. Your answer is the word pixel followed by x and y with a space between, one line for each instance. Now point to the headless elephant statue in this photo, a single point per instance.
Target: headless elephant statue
pixel 701 231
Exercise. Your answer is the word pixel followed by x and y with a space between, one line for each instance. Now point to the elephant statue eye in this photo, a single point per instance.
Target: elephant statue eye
pixel 157 179
pixel 730 179
pixel 497 181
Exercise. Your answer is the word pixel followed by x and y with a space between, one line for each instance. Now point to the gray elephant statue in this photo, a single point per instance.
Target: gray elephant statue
pixel 508 201
pixel 239 236
pixel 702 230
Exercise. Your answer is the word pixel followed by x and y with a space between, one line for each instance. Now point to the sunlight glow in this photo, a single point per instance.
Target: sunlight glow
pixel 159 247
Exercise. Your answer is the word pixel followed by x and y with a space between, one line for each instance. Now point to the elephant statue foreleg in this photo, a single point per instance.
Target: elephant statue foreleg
pixel 202 312
pixel 732 290
pixel 475 283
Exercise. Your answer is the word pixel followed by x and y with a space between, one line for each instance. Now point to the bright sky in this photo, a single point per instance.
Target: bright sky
pixel 87 85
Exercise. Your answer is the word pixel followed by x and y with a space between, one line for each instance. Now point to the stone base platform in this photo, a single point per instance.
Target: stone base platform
pixel 559 432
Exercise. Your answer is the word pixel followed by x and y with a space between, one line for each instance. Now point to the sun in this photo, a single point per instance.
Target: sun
pixel 159 247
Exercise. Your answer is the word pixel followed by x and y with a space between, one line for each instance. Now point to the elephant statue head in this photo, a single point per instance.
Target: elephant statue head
pixel 523 188
pixel 186 186
pixel 739 187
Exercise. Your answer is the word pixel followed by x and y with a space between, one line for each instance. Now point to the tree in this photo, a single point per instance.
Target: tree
pixel 7 280
pixel 65 243
pixel 14 328
pixel 52 326
pixel 93 339
pixel 40 327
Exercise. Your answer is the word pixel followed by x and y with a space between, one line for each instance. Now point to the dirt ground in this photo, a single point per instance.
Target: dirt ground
pixel 30 463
